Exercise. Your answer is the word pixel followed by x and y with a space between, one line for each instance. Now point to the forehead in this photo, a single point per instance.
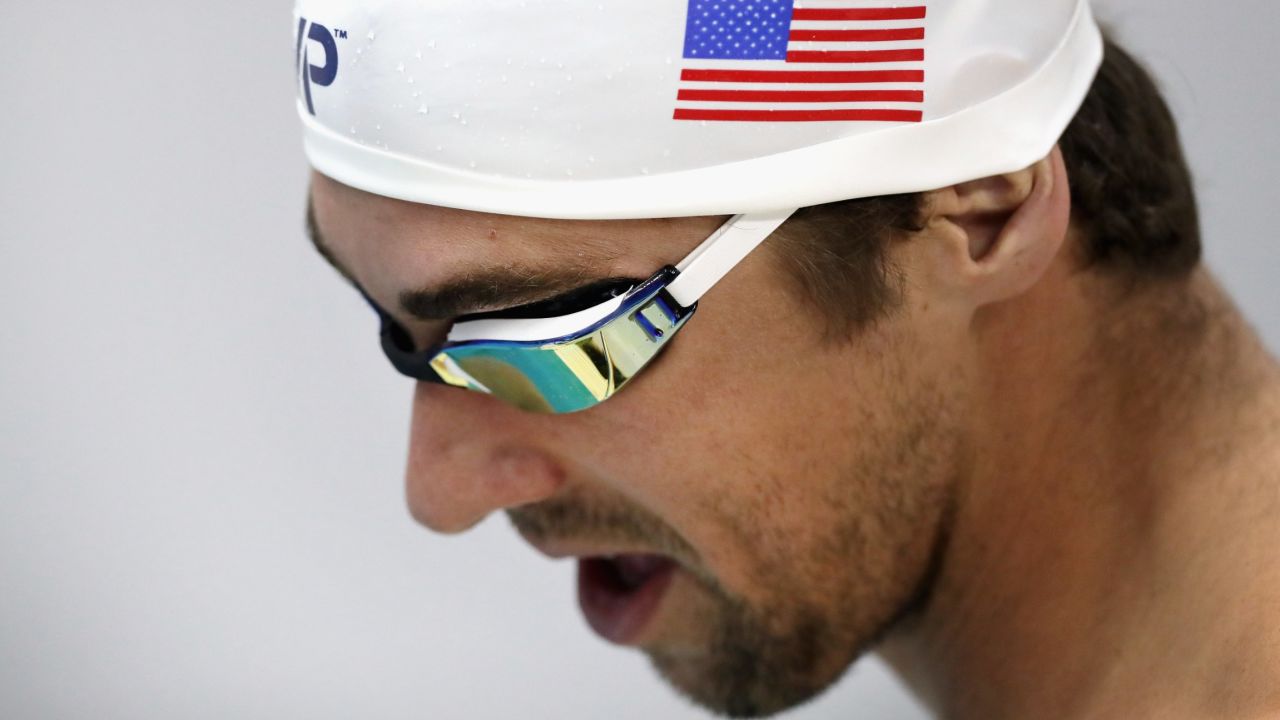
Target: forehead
pixel 389 246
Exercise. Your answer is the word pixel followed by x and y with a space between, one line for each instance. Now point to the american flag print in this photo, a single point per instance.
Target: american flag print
pixel 803 61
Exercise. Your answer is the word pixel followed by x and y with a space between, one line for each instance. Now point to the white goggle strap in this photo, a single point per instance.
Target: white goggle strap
pixel 718 254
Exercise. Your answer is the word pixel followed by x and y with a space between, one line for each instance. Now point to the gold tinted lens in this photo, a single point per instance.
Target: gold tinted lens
pixel 569 375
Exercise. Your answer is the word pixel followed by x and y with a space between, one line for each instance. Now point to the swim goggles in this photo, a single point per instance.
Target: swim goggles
pixel 572 362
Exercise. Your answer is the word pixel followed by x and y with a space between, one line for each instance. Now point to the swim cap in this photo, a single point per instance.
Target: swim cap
pixel 665 108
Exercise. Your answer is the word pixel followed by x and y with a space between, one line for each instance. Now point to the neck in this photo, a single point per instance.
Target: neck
pixel 1109 554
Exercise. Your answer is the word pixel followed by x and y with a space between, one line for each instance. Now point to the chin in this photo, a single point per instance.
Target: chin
pixel 746 672
pixel 732 687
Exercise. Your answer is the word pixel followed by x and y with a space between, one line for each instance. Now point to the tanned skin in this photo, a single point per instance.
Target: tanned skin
pixel 1038 489
pixel 1116 553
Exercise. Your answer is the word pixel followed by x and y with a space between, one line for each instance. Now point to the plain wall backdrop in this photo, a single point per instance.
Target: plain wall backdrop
pixel 201 511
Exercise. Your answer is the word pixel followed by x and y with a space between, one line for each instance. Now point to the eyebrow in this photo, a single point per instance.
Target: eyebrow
pixel 484 290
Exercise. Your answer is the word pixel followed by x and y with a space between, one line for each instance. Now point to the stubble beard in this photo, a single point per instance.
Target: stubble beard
pixel 748 668
pixel 762 656
pixel 775 653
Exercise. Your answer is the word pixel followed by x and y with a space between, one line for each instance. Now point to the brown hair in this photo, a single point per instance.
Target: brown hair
pixel 1131 192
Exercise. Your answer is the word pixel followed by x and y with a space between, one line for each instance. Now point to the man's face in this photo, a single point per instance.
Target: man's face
pixel 797 484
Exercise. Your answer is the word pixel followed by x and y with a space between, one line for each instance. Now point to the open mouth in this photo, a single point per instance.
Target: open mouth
pixel 619 594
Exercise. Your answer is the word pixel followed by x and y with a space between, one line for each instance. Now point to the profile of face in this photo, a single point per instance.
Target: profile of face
pixel 752 511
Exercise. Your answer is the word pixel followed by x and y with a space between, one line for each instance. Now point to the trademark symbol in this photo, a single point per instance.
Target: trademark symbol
pixel 340 34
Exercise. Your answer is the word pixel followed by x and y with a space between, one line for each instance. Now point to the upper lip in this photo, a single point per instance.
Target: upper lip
pixel 557 548
pixel 564 548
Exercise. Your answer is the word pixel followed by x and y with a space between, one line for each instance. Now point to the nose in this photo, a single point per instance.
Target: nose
pixel 469 455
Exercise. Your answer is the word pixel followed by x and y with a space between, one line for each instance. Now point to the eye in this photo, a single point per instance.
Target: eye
pixel 565 303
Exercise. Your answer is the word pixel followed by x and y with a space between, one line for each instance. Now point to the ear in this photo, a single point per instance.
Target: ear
pixel 998 236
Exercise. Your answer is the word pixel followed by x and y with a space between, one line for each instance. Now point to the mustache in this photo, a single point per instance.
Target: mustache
pixel 568 518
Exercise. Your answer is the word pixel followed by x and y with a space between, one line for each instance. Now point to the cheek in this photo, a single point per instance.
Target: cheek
pixel 824 485
pixel 800 472
pixel 740 452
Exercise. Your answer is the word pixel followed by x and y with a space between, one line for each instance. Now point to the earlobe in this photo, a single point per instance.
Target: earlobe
pixel 1005 230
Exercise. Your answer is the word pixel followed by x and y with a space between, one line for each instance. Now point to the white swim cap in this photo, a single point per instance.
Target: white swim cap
pixel 665 108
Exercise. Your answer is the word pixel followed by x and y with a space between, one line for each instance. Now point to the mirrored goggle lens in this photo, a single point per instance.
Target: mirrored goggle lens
pixel 562 375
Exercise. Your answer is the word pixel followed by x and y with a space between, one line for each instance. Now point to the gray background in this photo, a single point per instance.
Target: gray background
pixel 200 447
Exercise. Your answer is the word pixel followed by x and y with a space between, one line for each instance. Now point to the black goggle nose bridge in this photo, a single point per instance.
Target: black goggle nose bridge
pixel 399 349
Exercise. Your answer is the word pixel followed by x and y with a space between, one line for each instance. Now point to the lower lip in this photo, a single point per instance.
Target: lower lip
pixel 620 617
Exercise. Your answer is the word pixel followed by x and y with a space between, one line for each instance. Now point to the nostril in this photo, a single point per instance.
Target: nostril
pixel 525 475
pixel 439 513
pixel 452 491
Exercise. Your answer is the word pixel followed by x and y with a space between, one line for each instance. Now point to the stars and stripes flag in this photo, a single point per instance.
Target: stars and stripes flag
pixel 803 60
